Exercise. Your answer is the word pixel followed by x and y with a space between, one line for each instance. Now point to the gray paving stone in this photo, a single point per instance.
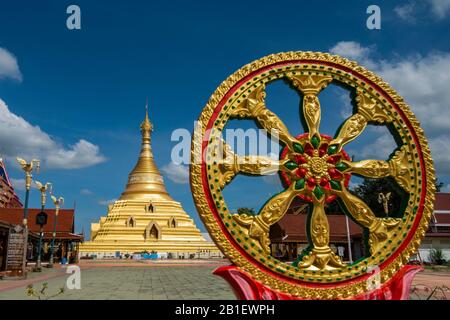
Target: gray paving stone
pixel 142 283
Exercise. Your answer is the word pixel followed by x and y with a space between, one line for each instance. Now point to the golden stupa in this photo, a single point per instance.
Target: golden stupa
pixel 145 217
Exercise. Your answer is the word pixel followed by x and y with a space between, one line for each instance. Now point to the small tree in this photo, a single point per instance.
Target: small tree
pixel 436 256
pixel 439 185
pixel 42 294
pixel 248 211
pixel 369 190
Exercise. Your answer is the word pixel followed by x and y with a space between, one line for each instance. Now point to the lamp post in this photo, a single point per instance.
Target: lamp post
pixel 41 219
pixel 27 168
pixel 58 202
pixel 349 240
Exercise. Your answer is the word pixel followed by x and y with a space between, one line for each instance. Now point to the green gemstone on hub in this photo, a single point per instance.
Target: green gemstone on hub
pixel 298 148
pixel 300 184
pixel 291 165
pixel 315 141
pixel 335 185
pixel 332 149
pixel 318 192
pixel 341 166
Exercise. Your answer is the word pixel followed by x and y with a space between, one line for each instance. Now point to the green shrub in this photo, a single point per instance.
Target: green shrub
pixel 436 256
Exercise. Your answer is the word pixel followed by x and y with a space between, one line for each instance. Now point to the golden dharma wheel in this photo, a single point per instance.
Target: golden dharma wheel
pixel 316 168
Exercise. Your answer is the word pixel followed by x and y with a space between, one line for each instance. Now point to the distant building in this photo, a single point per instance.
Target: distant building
pixel 438 234
pixel 288 236
pixel 11 214
pixel 66 240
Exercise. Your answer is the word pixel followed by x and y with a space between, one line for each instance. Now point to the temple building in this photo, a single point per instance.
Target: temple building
pixel 66 241
pixel 8 197
pixel 145 218
pixel 289 236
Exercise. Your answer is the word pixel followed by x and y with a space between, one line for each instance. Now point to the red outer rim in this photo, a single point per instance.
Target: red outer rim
pixel 210 201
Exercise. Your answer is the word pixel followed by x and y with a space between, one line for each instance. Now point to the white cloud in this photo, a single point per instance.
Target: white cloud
pixel 383 145
pixel 440 150
pixel 406 12
pixel 9 68
pixel 440 8
pixel 414 9
pixel 176 173
pixel 18 184
pixel 20 138
pixel 106 202
pixel 86 192
pixel 423 82
pixel 354 51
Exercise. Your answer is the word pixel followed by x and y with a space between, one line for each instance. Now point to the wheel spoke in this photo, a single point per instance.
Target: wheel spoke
pixel 321 255
pixel 351 129
pixel 401 168
pixel 380 229
pixel 367 168
pixel 231 164
pixel 310 86
pixel 254 107
pixel 368 111
pixel 397 167
pixel 273 210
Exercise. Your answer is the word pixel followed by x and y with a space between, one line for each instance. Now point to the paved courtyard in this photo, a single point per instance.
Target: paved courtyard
pixel 162 280
pixel 128 281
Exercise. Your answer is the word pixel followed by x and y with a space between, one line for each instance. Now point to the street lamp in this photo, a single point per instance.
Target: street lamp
pixel 58 202
pixel 27 168
pixel 41 220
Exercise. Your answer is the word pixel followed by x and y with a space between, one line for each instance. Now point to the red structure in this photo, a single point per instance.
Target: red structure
pixel 245 288
pixel 288 236
pixel 8 197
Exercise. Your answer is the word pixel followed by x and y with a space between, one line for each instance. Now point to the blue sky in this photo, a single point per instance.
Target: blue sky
pixel 75 98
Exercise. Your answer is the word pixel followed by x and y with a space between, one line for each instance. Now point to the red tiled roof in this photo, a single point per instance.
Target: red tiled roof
pixel 64 235
pixel 441 218
pixel 295 227
pixel 65 222
pixel 442 201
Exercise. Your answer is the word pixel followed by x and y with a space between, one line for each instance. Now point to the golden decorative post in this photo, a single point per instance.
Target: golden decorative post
pixel 58 202
pixel 43 189
pixel 27 168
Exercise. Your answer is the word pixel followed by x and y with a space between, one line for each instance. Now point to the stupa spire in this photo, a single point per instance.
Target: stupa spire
pixel 146 125
pixel 145 180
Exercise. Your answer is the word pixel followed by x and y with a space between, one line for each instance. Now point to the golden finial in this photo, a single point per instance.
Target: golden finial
pixel 146 125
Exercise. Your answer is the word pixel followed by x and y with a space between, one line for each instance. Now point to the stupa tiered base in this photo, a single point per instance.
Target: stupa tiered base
pixel 145 217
